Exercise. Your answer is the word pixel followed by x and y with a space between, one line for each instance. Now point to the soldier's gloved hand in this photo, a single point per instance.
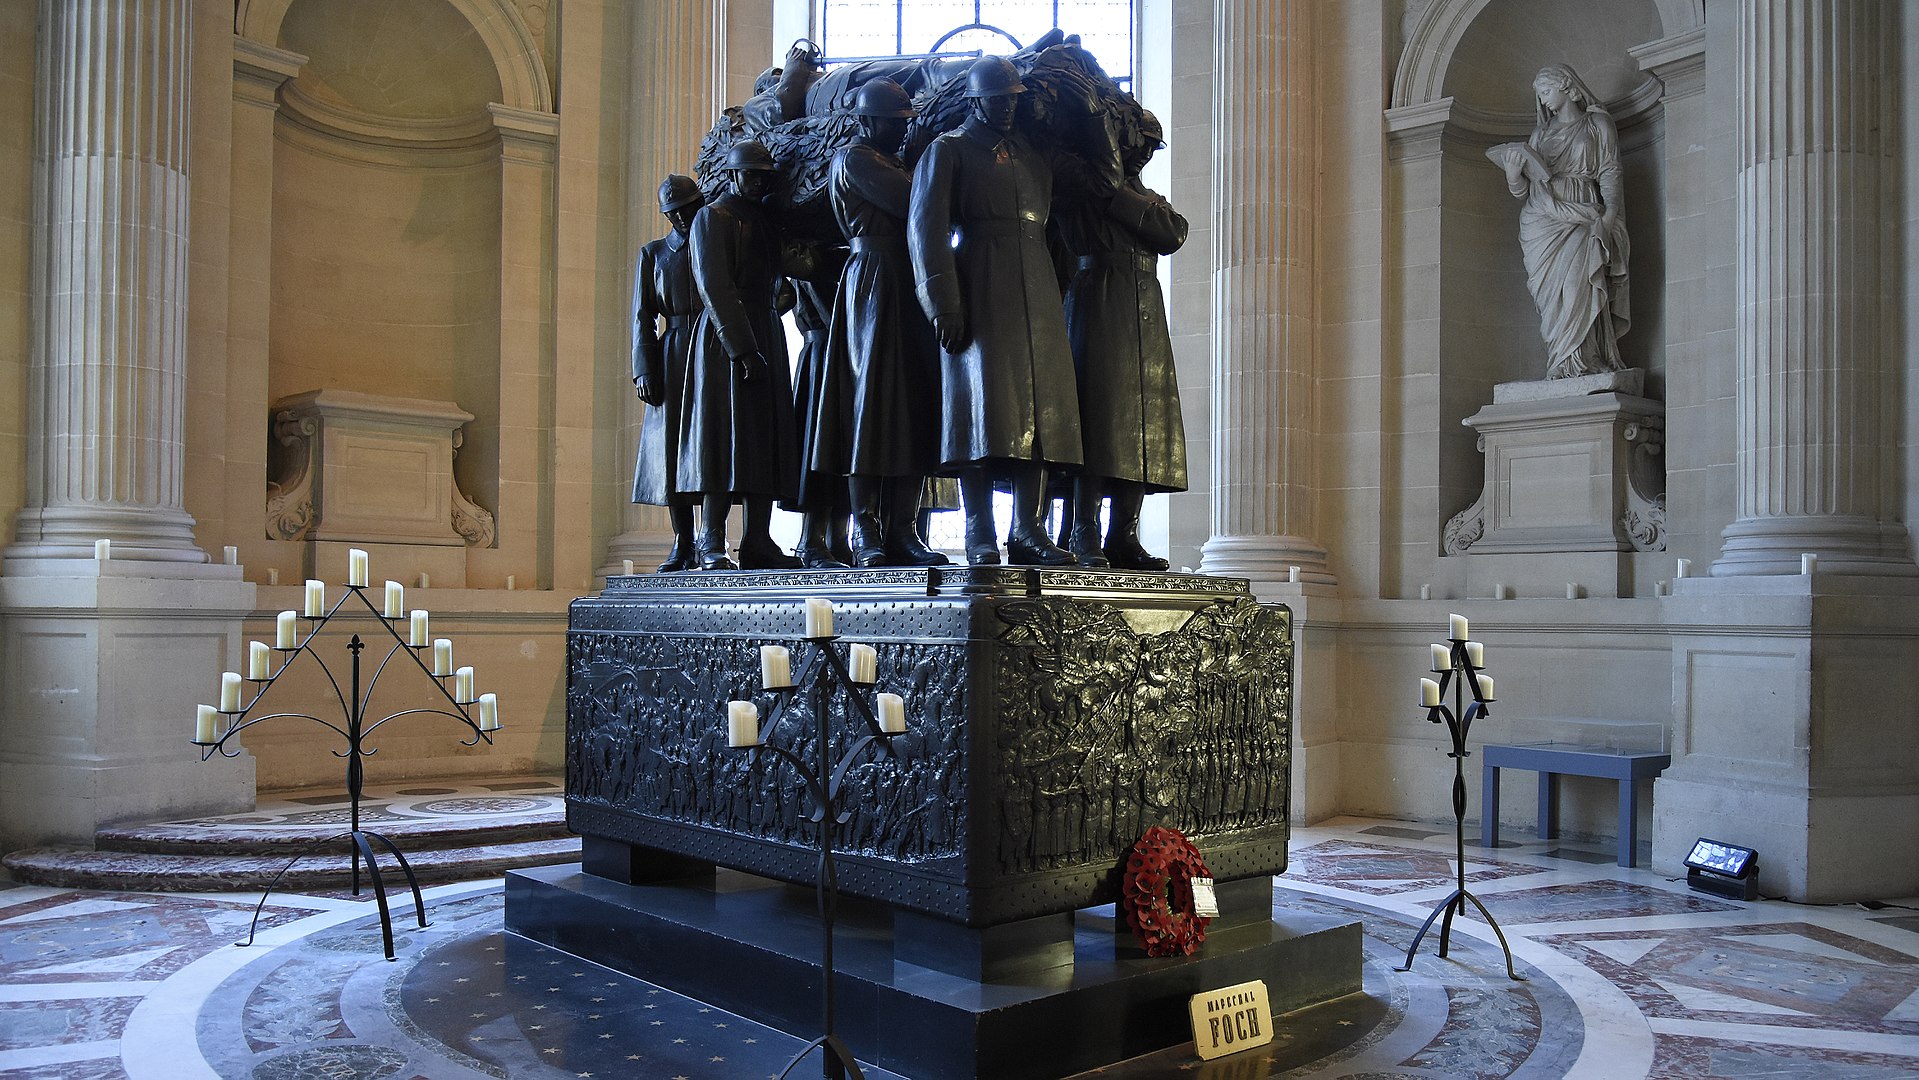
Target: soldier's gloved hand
pixel 951 332
pixel 650 390
pixel 752 365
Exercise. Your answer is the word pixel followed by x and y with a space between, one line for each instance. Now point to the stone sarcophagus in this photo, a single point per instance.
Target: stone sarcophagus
pixel 1054 716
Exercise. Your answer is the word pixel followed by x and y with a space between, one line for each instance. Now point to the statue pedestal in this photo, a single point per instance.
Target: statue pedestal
pixel 1566 474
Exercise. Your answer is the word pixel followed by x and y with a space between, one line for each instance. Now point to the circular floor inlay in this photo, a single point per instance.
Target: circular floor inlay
pixel 333 1062
pixel 427 791
pixel 480 805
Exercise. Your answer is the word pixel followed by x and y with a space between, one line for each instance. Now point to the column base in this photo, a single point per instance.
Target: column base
pixel 1266 558
pixel 139 533
pixel 1845 544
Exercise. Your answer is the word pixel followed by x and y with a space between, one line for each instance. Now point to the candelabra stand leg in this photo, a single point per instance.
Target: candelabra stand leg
pixel 413 883
pixel 356 775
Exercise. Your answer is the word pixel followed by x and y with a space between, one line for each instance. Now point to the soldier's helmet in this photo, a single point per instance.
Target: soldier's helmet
pixel 883 97
pixel 993 76
pixel 748 155
pixel 677 191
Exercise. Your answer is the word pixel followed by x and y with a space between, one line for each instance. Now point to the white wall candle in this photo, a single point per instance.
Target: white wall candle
pixel 1442 658
pixel 1429 692
pixel 742 724
pixel 463 685
pixel 1476 653
pixel 273 576
pixel 1426 592
pixel 1292 574
pixel 510 582
pixel 1459 628
pixel 395 600
pixel 206 724
pixel 442 656
pixel 1683 569
pixel 626 567
pixel 776 666
pixel 489 712
pixel 417 629
pixel 103 550
pixel 1499 592
pixel 863 664
pixel 232 555
pixel 287 631
pixel 1808 562
pixel 316 598
pixel 229 691
pixel 425 582
pixel 1572 590
pixel 355 567
pixel 892 713
pixel 819 617
pixel 259 660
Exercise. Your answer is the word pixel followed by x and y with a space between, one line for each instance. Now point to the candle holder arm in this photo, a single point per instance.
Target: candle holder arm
pixel 207 750
pixel 460 716
pixel 812 782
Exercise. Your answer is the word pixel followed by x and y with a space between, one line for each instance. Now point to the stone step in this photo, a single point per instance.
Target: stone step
pixel 327 868
pixel 215 836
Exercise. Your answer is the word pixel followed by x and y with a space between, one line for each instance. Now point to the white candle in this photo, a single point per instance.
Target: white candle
pixel 206 725
pixel 287 634
pixel 259 660
pixel 316 598
pixel 892 713
pixel 355 566
pixel 510 582
pixel 1442 658
pixel 417 632
pixel 1476 653
pixel 1486 687
pixel 776 666
pixel 425 582
pixel 1808 562
pixel 819 618
pixel 463 685
pixel 1499 592
pixel 1292 574
pixel 489 712
pixel 1429 692
pixel 103 550
pixel 442 656
pixel 1572 590
pixel 626 567
pixel 1660 588
pixel 395 600
pixel 1684 569
pixel 230 691
pixel 742 724
pixel 233 555
pixel 273 576
pixel 1459 627
pixel 1426 592
pixel 863 664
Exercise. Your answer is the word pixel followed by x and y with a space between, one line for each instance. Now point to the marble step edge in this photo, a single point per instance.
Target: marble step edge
pixel 79 868
pixel 423 833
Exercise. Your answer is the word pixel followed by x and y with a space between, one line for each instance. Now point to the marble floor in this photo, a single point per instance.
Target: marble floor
pixel 1627 975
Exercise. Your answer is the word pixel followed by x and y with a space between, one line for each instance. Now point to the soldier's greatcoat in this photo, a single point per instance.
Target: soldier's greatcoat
pixel 737 437
pixel 880 348
pixel 1009 394
pixel 1130 423
pixel 665 307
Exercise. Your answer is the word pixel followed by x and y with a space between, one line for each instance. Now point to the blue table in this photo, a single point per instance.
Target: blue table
pixel 1551 761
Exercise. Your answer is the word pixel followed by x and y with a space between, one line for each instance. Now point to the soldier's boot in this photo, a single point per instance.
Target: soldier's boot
pixel 712 541
pixel 976 498
pixel 816 550
pixel 836 541
pixel 1123 548
pixel 757 549
pixel 686 552
pixel 867 536
pixel 1083 538
pixel 905 546
pixel 1029 545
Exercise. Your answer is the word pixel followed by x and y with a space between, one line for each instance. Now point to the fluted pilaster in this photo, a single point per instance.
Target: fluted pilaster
pixel 1817 82
pixel 677 66
pixel 107 385
pixel 1263 319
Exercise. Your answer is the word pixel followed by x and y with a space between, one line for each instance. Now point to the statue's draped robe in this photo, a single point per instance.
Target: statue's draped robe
pixel 1575 270
pixel 665 309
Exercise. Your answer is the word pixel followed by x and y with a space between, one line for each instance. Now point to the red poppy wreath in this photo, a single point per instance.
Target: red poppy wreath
pixel 1157 893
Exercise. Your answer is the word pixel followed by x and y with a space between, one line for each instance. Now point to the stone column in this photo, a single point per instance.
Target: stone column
pixel 675 57
pixel 1815 150
pixel 107 387
pixel 1263 320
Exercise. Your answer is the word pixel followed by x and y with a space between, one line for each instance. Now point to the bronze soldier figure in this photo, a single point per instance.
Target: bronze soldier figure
pixel 817 387
pixel 1010 405
pixel 663 294
pixel 737 428
pixel 1131 428
pixel 884 433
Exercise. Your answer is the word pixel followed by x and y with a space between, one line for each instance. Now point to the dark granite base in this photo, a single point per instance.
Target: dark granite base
pixel 751 946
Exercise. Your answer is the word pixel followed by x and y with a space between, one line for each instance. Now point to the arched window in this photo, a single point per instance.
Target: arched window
pixel 862 29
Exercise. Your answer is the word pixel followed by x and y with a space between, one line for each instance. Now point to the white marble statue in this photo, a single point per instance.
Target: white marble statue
pixel 1571 229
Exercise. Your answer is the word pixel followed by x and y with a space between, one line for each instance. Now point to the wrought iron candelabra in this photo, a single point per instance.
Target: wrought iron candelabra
pixel 217 727
pixel 824 777
pixel 1459 666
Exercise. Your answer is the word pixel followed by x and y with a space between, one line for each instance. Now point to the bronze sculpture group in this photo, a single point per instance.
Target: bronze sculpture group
pixel 972 265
